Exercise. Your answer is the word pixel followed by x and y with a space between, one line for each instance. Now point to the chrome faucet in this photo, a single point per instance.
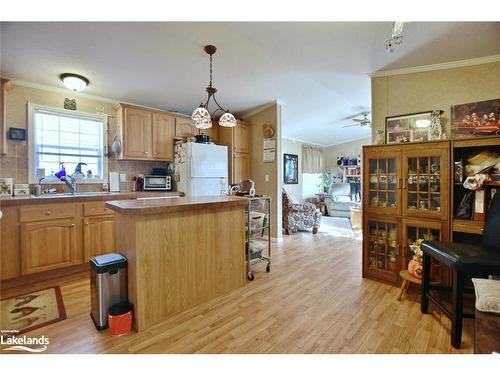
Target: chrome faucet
pixel 71 182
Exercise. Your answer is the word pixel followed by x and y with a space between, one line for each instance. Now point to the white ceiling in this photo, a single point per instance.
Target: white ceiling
pixel 317 70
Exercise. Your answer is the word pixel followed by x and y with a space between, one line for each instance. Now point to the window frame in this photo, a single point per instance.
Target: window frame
pixel 32 108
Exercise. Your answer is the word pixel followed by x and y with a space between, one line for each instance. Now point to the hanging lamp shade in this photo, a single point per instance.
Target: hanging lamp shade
pixel 201 115
pixel 227 120
pixel 203 124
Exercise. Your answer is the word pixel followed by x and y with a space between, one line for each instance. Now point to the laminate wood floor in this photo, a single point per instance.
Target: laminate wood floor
pixel 313 301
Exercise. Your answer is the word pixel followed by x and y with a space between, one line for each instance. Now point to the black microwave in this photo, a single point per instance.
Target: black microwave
pixel 157 182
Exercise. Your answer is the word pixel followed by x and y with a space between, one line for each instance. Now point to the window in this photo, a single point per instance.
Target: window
pixel 58 135
pixel 310 182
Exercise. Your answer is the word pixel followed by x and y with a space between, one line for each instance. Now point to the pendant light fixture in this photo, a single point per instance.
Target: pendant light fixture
pixel 201 115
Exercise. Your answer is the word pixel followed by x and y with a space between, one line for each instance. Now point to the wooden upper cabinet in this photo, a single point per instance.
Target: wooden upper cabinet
pixel 240 166
pixel 425 190
pixel 48 245
pixel 163 135
pixel 4 87
pixel 382 181
pixel 136 134
pixel 241 138
pixel 184 127
pixel 145 134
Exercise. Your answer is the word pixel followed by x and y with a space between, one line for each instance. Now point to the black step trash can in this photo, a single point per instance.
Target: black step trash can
pixel 108 286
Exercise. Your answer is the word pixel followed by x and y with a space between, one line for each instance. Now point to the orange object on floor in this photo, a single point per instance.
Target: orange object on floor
pixel 120 319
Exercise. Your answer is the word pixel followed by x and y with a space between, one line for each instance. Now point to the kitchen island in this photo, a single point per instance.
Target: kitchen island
pixel 180 251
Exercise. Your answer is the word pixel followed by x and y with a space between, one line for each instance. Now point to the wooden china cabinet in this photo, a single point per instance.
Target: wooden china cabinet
pixel 405 198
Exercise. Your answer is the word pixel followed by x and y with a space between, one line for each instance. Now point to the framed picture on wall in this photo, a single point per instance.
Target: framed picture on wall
pixel 475 119
pixel 412 127
pixel 290 169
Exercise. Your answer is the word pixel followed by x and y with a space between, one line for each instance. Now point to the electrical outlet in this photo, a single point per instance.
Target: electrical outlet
pixel 266 178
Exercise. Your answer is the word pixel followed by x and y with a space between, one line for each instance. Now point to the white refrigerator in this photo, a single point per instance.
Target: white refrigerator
pixel 202 169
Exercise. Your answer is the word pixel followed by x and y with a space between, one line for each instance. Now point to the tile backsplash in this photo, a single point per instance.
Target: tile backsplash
pixel 15 164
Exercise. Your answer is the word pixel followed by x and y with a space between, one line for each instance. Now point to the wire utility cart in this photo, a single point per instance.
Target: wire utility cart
pixel 258 232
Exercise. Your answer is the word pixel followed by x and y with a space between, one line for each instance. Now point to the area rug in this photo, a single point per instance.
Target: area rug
pixel 32 310
pixel 338 227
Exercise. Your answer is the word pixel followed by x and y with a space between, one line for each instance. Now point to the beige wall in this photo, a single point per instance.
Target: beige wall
pixel 436 89
pixel 270 115
pixel 15 163
pixel 353 148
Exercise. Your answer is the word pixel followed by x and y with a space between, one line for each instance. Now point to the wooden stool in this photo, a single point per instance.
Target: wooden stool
pixel 407 279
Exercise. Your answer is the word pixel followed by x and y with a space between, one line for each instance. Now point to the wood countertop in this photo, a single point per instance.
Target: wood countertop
pixel 162 205
pixel 82 197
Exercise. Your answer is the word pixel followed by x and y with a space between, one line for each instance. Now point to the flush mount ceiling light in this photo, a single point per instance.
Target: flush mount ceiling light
pixel 201 115
pixel 74 82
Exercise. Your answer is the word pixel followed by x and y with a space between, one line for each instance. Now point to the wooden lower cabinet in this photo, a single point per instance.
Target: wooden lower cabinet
pixel 381 248
pixel 48 245
pixel 98 236
pixel 45 237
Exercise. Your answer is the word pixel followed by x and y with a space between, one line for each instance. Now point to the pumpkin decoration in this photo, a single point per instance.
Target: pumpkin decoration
pixel 415 265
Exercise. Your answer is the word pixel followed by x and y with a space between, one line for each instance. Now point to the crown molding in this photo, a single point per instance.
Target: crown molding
pixel 326 146
pixel 40 86
pixel 246 115
pixel 349 141
pixel 440 66
pixel 303 142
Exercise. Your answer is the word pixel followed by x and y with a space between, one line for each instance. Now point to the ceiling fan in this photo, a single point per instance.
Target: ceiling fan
pixel 361 121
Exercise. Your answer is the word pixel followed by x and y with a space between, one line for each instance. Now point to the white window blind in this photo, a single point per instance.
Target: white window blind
pixel 69 138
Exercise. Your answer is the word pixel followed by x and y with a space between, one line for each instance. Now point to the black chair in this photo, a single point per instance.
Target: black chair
pixel 465 261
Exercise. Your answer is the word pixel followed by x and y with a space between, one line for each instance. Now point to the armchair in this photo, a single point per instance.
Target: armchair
pixel 299 216
pixel 465 261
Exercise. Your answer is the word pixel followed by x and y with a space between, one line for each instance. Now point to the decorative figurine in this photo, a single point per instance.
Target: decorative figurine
pixel 436 131
pixel 380 137
pixel 70 104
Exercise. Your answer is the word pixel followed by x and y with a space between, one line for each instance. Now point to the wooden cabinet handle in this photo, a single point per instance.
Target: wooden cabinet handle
pixel 48 213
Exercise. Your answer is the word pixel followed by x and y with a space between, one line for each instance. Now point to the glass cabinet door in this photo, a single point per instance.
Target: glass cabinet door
pixel 415 230
pixel 382 248
pixel 425 180
pixel 382 186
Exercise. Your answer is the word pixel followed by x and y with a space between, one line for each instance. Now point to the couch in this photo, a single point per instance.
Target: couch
pixel 340 200
pixel 299 216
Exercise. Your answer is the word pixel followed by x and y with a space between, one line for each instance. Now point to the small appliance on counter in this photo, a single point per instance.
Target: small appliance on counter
pixel 157 182
pixel 114 181
pixel 21 189
pixel 247 186
pixel 202 138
